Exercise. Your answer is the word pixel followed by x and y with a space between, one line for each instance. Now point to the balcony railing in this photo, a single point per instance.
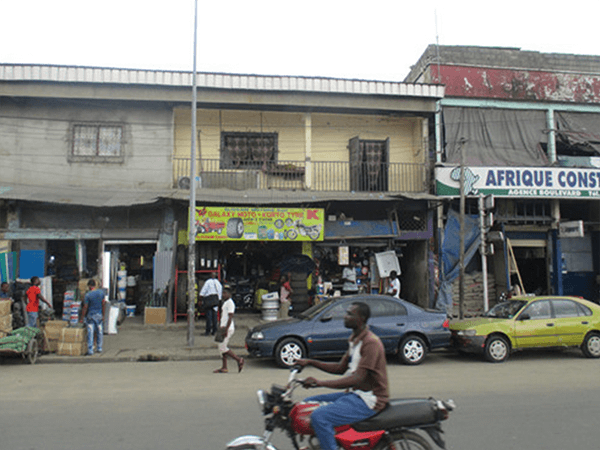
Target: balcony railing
pixel 338 176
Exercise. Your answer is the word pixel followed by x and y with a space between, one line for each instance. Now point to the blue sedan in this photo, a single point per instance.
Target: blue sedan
pixel 404 328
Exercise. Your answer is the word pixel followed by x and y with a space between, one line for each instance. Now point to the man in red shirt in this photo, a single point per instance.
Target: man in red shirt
pixel 364 380
pixel 34 295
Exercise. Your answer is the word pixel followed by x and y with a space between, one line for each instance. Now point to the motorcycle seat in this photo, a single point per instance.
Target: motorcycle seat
pixel 405 412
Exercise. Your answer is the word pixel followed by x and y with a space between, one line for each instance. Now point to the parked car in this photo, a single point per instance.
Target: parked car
pixel 531 322
pixel 404 328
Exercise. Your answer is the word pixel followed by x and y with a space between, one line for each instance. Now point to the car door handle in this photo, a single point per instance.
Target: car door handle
pixel 549 324
pixel 400 324
pixel 584 323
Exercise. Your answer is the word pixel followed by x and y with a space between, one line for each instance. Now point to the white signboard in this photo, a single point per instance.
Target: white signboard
pixel 571 229
pixel 534 182
pixel 386 262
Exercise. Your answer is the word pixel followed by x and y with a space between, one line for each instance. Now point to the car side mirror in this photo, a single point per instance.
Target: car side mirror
pixel 326 318
pixel 524 316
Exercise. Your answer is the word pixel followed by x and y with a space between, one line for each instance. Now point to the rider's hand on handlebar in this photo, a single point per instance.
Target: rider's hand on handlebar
pixel 301 362
pixel 310 382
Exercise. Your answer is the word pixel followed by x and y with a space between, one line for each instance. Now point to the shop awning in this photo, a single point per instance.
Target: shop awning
pixel 122 197
pixel 292 197
pixel 77 195
pixel 498 137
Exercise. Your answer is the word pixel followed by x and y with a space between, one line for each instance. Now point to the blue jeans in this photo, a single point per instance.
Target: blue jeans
pixel 345 408
pixel 94 324
pixel 32 318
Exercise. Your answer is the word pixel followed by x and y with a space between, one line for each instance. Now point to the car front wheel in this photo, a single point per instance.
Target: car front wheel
pixel 288 352
pixel 496 349
pixel 412 350
pixel 591 345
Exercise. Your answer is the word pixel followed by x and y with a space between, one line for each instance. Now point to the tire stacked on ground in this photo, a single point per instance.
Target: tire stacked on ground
pixel 300 295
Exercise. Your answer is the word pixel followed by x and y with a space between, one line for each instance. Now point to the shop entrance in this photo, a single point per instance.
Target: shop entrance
pixel 531 259
pixel 250 268
pixel 132 261
pixel 66 262
pixel 255 268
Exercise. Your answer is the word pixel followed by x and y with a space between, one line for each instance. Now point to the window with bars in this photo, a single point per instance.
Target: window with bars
pixel 97 142
pixel 241 150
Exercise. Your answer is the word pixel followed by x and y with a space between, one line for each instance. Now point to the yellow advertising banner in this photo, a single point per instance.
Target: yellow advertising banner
pixel 259 224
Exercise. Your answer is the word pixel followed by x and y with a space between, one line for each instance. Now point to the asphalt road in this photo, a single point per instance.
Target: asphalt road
pixel 547 400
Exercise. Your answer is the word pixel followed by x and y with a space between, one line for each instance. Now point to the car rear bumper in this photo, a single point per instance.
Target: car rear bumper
pixel 469 344
pixel 439 340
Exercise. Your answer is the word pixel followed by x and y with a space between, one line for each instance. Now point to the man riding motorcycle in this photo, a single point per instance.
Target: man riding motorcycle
pixel 364 379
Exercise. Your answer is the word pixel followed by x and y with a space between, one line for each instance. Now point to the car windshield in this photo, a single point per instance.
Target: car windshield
pixel 506 310
pixel 314 310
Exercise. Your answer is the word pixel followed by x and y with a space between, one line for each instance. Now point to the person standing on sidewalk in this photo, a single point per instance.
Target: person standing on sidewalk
pixel 5 290
pixel 93 314
pixel 34 295
pixel 227 328
pixel 285 292
pixel 349 278
pixel 394 289
pixel 211 293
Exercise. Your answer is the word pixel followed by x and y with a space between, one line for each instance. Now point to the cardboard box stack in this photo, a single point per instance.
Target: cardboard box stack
pixel 71 307
pixel 72 342
pixel 5 317
pixel 52 331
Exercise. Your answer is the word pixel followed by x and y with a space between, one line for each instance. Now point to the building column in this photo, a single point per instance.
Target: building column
pixel 308 150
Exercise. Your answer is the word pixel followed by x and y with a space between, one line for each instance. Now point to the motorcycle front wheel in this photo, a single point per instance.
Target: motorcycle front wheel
pixel 405 440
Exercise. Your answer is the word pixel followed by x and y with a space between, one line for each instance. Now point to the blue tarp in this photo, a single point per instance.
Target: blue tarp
pixel 451 254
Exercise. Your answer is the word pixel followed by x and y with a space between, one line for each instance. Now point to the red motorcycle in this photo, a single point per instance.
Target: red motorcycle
pixel 394 428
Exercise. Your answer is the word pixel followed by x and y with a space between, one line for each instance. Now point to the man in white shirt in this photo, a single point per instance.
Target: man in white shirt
pixel 349 278
pixel 394 289
pixel 211 293
pixel 227 328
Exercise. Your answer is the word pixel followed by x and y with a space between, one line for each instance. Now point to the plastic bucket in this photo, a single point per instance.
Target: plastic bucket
pixel 130 310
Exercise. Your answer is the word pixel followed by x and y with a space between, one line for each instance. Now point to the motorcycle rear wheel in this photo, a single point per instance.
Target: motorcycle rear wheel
pixel 405 440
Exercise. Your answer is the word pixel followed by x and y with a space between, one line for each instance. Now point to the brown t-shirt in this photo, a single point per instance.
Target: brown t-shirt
pixel 371 356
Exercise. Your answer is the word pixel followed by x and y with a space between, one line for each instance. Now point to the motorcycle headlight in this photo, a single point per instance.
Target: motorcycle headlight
pixel 261 396
pixel 257 335
pixel 467 333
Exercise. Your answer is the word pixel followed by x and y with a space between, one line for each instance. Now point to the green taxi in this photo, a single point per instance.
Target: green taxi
pixel 530 322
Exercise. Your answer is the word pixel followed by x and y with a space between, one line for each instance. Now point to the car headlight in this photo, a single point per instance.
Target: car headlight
pixel 467 333
pixel 257 335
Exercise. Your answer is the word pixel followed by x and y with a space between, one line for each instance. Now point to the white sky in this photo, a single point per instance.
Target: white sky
pixel 376 39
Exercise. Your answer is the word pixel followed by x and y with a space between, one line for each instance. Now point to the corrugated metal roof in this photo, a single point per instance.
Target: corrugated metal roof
pixel 79 195
pixel 100 75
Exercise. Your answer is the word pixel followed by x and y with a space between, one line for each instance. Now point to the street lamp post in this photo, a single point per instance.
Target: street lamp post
pixel 192 208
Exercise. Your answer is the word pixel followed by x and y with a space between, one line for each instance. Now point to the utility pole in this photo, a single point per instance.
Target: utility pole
pixel 192 208
pixel 461 264
pixel 486 220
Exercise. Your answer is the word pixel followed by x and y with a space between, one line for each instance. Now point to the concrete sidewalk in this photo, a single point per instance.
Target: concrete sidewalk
pixel 135 341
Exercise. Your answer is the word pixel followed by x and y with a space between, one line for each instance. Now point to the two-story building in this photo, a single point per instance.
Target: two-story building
pixel 527 125
pixel 96 172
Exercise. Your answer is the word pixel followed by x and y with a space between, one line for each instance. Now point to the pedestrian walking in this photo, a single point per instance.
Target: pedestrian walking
pixel 93 314
pixel 226 329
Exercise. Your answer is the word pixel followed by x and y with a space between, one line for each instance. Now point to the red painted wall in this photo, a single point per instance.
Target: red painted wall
pixel 530 85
